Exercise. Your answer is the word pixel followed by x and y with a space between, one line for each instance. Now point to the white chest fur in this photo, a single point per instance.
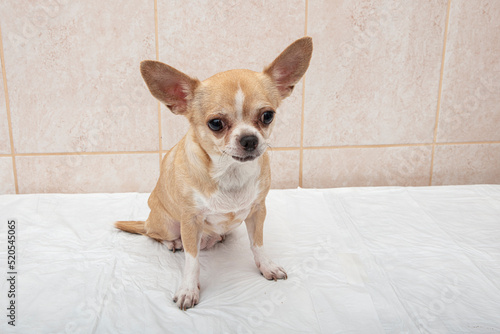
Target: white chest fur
pixel 238 189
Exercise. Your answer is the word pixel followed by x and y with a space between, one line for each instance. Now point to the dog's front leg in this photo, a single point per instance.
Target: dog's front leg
pixel 188 294
pixel 255 228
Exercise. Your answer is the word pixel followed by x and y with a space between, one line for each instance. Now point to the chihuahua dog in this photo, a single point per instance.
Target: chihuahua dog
pixel 218 175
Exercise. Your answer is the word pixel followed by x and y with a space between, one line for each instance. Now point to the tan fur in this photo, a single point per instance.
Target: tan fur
pixel 136 227
pixel 204 191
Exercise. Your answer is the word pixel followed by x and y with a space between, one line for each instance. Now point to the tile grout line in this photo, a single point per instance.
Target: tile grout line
pixel 440 91
pixel 9 120
pixel 293 148
pixel 157 47
pixel 301 151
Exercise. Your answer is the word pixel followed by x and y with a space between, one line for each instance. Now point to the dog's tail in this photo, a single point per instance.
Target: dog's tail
pixel 136 227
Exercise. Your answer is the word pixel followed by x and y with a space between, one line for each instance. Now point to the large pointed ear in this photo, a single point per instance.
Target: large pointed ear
pixel 170 86
pixel 290 66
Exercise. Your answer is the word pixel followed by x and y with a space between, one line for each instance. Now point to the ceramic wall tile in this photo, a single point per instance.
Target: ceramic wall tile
pixel 466 164
pixel 73 74
pixel 87 173
pixel 284 169
pixel 375 71
pixel 353 167
pixel 7 185
pixel 470 108
pixel 74 84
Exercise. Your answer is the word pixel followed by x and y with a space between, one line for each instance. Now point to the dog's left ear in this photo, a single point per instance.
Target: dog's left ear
pixel 290 66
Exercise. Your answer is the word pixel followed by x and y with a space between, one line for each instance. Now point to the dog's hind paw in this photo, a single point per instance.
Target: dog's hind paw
pixel 174 245
pixel 209 241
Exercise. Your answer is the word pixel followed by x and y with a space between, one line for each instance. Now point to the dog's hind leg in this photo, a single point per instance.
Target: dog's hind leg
pixel 161 227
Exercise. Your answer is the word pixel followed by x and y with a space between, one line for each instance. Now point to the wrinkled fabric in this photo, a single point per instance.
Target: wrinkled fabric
pixel 359 260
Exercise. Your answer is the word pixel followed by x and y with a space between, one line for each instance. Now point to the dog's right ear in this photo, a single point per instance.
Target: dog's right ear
pixel 172 87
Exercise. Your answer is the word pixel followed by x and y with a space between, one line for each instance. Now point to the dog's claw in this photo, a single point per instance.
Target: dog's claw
pixel 187 297
pixel 271 271
pixel 174 245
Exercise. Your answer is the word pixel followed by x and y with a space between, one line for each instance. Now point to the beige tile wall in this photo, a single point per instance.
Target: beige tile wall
pixel 398 92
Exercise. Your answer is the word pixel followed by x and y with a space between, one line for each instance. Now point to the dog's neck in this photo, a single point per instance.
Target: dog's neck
pixel 231 174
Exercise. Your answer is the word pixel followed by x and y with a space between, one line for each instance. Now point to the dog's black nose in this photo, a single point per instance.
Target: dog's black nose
pixel 249 143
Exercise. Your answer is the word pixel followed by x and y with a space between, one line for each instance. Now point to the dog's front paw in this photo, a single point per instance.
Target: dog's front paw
pixel 187 297
pixel 271 270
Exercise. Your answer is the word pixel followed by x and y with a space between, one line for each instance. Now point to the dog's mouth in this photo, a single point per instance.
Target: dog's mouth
pixel 244 159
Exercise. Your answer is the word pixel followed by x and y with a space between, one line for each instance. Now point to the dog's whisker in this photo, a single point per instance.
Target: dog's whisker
pixel 223 156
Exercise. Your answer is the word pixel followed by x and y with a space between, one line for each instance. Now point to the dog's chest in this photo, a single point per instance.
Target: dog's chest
pixel 227 207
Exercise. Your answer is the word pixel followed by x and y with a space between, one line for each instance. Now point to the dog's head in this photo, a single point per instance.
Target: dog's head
pixel 232 112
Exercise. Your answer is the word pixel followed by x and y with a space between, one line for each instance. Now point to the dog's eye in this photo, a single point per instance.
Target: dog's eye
pixel 267 117
pixel 216 124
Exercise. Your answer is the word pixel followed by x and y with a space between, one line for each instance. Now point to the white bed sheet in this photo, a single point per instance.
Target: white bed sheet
pixel 359 260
